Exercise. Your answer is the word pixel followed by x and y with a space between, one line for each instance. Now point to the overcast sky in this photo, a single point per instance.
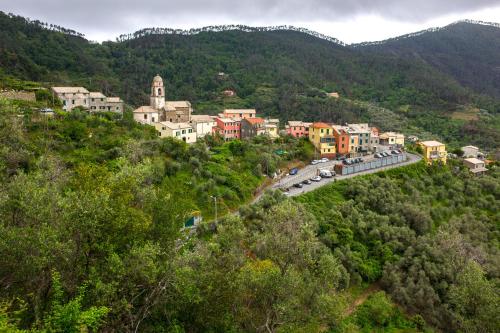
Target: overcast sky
pixel 348 20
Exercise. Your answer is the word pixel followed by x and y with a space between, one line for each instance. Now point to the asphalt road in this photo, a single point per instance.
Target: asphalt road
pixel 411 159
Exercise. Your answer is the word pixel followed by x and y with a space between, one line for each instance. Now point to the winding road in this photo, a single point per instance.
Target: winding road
pixel 410 159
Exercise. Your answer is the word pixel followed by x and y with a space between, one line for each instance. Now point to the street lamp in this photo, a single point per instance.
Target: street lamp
pixel 215 205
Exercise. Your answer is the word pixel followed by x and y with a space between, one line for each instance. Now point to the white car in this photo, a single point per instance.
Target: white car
pixel 314 162
pixel 324 160
pixel 316 178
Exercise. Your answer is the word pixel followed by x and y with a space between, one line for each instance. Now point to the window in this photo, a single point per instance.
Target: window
pixel 73 101
pixel 343 145
pixel 64 103
pixel 177 133
pixel 159 91
pixel 145 116
pixel 102 99
pixel 93 99
pixel 322 130
pixel 159 133
pixel 183 131
pixel 190 130
pixel 117 108
pixel 153 119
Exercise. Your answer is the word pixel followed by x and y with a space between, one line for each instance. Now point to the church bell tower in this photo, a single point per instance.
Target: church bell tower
pixel 157 99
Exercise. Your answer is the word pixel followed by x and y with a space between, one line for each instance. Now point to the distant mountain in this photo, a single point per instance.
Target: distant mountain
pixel 468 51
pixel 256 58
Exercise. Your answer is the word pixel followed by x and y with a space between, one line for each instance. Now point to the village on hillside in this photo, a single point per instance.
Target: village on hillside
pixel 349 142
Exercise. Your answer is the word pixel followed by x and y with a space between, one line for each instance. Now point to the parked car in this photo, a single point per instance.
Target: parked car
pixel 385 154
pixel 314 162
pixel 298 185
pixel 316 178
pixel 307 182
pixel 344 162
pixel 361 160
pixel 294 171
pixel 326 173
pixel 394 152
pixel 324 160
pixel 377 155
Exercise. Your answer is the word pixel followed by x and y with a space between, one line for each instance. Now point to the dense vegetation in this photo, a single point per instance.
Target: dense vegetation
pixel 91 238
pixel 282 73
pixel 429 233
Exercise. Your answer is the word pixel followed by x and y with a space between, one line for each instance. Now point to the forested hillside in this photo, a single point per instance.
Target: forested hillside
pixel 283 74
pixel 466 51
pixel 92 207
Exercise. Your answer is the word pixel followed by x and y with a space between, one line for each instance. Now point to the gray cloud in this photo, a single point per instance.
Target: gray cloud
pixel 112 17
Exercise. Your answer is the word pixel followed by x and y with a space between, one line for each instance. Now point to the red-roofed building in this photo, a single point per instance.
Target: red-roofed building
pixel 251 127
pixel 322 137
pixel 342 139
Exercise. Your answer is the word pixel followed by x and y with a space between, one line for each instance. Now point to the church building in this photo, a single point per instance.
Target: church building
pixel 160 110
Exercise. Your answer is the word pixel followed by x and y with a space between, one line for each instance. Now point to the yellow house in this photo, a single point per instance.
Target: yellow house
pixel 354 143
pixel 272 130
pixel 272 127
pixel 433 151
pixel 391 138
pixel 322 137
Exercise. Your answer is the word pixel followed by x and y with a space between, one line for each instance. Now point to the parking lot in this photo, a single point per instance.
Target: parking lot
pixel 313 170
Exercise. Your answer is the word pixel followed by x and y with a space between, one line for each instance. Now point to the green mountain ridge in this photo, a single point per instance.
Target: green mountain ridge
pixel 468 52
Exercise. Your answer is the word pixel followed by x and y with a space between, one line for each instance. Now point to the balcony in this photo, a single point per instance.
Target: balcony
pixel 437 155
pixel 328 139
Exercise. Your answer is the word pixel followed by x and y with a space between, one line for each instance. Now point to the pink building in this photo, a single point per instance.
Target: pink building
pixel 228 128
pixel 297 129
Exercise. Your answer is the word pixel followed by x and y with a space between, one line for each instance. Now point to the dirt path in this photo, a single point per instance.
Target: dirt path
pixel 373 288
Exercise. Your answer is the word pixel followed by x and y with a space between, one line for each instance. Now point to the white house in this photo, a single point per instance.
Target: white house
pixel 146 115
pixel 203 124
pixel 470 151
pixel 181 131
pixel 476 166
pixel 73 97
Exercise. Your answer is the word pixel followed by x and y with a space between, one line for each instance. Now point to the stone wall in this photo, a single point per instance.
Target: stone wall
pixel 22 95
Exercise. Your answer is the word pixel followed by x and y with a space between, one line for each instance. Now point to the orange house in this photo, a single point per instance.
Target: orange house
pixel 342 140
